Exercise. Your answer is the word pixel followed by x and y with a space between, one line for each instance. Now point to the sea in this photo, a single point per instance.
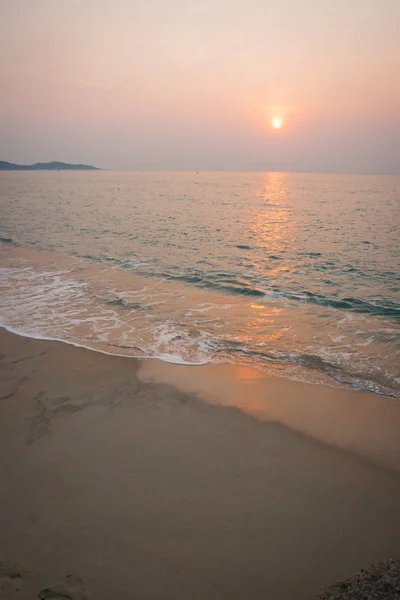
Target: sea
pixel 294 274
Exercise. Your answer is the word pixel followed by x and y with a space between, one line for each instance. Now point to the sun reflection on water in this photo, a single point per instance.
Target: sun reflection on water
pixel 272 227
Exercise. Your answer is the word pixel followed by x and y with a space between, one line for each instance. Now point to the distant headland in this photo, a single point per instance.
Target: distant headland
pixel 50 166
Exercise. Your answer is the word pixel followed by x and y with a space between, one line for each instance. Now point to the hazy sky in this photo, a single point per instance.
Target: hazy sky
pixel 195 84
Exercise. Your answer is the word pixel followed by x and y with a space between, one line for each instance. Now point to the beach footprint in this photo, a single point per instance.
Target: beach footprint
pixel 10 581
pixel 72 589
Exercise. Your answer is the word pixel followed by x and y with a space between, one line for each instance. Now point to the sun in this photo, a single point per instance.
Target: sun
pixel 276 123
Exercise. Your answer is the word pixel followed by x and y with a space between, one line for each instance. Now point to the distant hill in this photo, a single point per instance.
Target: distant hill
pixel 51 166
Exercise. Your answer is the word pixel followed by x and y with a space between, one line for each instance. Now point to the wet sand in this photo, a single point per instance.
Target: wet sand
pixel 128 479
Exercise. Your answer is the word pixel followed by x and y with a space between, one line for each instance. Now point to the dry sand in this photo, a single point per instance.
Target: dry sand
pixel 118 482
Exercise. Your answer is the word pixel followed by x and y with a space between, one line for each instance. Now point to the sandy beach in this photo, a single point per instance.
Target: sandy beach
pixel 123 478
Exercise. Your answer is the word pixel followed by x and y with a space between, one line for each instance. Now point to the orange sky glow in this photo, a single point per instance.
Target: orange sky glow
pixel 132 84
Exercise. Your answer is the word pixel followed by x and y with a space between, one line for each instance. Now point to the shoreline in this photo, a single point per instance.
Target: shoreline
pixel 335 383
pixel 138 323
pixel 227 384
pixel 29 336
pixel 145 479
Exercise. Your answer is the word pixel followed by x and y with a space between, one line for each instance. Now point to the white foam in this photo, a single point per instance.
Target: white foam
pixel 42 304
pixel 169 358
pixel 183 329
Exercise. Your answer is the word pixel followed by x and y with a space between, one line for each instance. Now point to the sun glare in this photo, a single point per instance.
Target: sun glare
pixel 277 123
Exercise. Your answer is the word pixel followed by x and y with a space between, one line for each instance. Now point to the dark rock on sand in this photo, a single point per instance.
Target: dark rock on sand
pixel 379 582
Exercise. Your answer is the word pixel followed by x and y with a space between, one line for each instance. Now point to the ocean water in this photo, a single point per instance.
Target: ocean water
pixel 294 274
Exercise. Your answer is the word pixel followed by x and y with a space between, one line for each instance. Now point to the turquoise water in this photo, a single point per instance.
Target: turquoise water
pixel 297 274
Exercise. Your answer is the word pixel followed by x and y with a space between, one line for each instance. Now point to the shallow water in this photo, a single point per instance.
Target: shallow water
pixel 297 274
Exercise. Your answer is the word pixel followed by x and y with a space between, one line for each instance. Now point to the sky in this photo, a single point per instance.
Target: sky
pixel 188 84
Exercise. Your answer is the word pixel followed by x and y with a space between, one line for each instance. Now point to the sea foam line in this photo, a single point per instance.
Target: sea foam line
pixel 168 358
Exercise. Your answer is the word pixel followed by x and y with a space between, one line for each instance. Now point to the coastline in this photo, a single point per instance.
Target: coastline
pixel 139 478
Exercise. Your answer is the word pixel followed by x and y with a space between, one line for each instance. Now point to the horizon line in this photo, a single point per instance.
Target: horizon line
pixel 203 170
